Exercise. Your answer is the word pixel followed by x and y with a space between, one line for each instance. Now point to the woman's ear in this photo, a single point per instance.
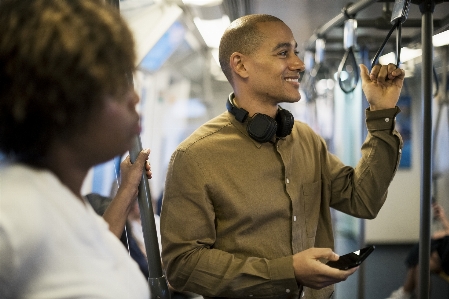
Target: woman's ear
pixel 237 63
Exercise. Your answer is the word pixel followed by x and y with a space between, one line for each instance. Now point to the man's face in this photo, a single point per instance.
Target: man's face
pixel 274 67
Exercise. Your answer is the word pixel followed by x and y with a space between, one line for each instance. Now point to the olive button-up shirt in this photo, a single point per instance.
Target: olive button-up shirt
pixel 235 211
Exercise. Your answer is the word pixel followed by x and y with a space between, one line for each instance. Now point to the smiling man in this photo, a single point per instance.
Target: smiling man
pixel 246 211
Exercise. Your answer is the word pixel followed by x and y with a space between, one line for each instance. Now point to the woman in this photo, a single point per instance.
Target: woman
pixel 65 106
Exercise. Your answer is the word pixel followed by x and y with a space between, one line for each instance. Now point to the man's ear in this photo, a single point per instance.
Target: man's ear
pixel 237 63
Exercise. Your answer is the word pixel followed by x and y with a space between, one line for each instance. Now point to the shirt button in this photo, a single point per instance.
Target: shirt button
pixel 387 119
pixel 287 290
pixel 294 218
pixel 287 180
pixel 400 150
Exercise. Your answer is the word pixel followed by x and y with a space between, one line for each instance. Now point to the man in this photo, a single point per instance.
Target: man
pixel 246 211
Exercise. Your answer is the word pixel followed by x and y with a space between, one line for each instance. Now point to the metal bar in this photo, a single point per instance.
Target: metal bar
pixel 337 21
pixel 439 26
pixel 443 24
pixel 156 279
pixel 427 8
pixel 361 278
pixel 384 24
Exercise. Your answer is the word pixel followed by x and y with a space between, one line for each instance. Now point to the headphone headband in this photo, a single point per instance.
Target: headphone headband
pixel 262 127
pixel 239 113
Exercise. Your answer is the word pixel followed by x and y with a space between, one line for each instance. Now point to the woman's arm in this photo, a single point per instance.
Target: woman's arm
pixel 130 176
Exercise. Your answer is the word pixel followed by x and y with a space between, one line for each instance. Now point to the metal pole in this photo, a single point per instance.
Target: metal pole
pixel 426 8
pixel 156 279
pixel 338 20
pixel 361 277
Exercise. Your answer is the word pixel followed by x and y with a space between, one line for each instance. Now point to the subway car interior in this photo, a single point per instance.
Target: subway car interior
pixel 181 86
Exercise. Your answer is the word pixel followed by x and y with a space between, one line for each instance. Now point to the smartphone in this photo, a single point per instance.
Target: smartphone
pixel 352 259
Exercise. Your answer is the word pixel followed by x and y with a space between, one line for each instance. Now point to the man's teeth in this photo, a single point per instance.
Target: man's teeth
pixel 291 80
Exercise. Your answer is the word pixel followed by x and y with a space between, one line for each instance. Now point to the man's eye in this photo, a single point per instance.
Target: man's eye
pixel 283 53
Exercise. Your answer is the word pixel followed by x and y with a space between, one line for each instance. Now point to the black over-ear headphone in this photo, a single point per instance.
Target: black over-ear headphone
pixel 262 127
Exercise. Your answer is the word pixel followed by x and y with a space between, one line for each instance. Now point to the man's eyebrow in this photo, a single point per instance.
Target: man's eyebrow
pixel 284 45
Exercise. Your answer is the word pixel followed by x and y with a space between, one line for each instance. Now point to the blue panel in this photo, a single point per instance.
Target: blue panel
pixel 404 127
pixel 98 178
pixel 165 47
pixel 104 176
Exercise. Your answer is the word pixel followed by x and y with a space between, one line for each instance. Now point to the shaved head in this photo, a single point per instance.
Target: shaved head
pixel 241 36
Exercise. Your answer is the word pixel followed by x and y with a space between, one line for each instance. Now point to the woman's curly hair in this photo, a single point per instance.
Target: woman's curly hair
pixel 59 59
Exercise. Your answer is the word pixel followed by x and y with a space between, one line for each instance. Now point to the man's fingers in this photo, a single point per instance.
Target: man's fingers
pixel 325 253
pixel 383 74
pixel 375 72
pixel 364 73
pixel 391 71
pixel 399 73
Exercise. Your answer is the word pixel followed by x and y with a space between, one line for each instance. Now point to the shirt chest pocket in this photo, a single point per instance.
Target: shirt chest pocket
pixel 311 193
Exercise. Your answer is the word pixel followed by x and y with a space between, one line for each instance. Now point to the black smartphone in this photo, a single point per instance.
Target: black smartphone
pixel 352 259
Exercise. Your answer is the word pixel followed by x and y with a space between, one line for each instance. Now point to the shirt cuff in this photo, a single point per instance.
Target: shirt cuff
pixel 381 119
pixel 283 275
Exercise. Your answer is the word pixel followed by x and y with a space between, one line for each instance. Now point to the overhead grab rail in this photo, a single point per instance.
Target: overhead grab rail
pixel 379 23
pixel 427 8
pixel 398 16
pixel 337 21
pixel 348 71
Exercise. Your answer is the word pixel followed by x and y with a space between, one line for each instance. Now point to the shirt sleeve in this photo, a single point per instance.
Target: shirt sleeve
pixel 362 191
pixel 188 236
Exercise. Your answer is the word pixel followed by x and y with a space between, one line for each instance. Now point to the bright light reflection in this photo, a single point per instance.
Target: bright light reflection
pixel 343 76
pixel 406 54
pixel 212 30
pixel 441 39
pixel 202 2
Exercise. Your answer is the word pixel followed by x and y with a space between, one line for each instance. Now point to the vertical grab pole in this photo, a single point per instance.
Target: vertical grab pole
pixel 427 8
pixel 156 279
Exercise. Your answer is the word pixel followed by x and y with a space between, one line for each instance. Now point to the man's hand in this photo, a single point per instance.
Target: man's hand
pixel 383 86
pixel 312 273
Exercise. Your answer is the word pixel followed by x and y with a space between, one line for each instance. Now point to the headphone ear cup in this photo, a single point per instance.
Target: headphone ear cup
pixel 262 128
pixel 285 121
